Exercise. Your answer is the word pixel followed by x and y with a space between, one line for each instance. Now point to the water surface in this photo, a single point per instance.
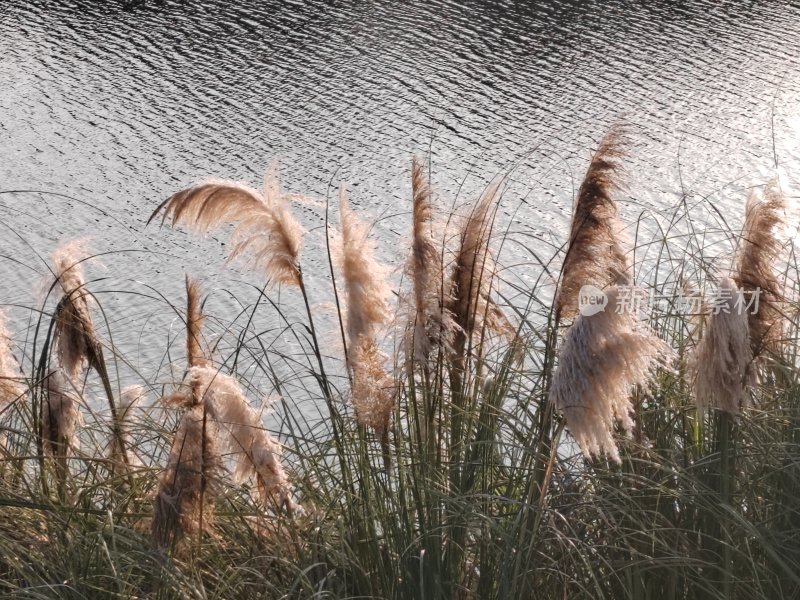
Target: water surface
pixel 116 109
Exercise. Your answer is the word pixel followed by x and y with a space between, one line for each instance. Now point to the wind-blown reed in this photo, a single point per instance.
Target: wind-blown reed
pixel 366 290
pixel 602 359
pixel 595 254
pixel 720 369
pixel 759 253
pixel 366 294
pixel 266 231
pixel 75 338
pixel 473 276
pixel 430 324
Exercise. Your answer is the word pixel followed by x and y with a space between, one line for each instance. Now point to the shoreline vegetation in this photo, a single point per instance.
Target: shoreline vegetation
pixel 467 448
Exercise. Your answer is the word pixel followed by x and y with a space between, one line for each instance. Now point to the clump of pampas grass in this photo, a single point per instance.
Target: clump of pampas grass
pixel 184 494
pixel 266 230
pixel 759 251
pixel 191 480
pixel 366 292
pixel 595 254
pixel 720 369
pixel 602 359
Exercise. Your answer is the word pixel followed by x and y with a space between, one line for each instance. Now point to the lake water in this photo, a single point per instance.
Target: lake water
pixel 116 109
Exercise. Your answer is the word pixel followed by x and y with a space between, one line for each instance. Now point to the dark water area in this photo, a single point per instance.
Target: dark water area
pixel 117 107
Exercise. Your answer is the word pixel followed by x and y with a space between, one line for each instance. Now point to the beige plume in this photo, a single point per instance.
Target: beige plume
pixel 720 368
pixel 243 436
pixel 430 323
pixel 474 272
pixel 60 414
pixel 603 357
pixel 595 254
pixel 265 231
pixel 75 338
pixel 188 487
pixel 374 389
pixel 759 252
pixel 365 284
pixel 195 356
pixel 366 291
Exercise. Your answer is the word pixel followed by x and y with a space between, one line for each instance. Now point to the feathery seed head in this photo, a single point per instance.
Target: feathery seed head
pixel 243 436
pixel 189 485
pixel 75 338
pixel 61 414
pixel 265 231
pixel 720 368
pixel 365 284
pixel 373 387
pixel 603 357
pixel 194 324
pixel 430 323
pixel 595 253
pixel 471 304
pixel 759 251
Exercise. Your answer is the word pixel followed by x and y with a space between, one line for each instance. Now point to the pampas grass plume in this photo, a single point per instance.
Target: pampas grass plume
pixel 266 230
pixel 373 387
pixel 365 284
pixel 243 436
pixel 720 367
pixel 430 324
pixel 603 357
pixel 595 254
pixel 194 324
pixel 759 252
pixel 188 487
pixel 474 271
pixel 75 339
pixel 367 309
pixel 61 414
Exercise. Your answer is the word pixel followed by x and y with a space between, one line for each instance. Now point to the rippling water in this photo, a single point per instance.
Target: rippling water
pixel 116 109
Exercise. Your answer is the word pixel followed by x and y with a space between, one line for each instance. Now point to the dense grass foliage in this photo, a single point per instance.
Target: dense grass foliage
pixel 470 487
